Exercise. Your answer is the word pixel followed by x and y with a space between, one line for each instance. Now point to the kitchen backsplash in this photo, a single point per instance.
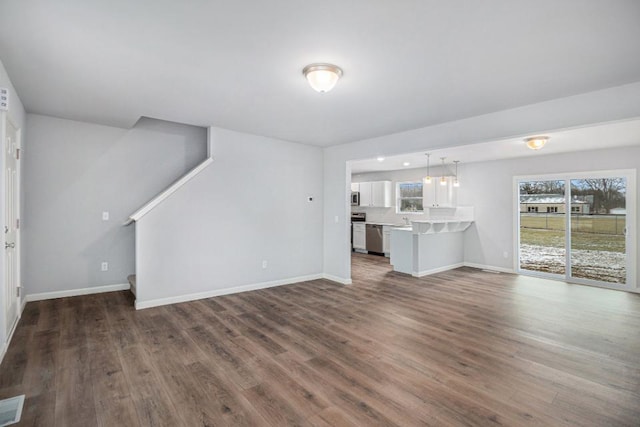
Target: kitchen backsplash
pixel 389 215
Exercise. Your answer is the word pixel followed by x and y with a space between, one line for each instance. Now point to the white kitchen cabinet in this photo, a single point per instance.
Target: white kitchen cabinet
pixel 439 196
pixel 386 240
pixel 375 194
pixel 359 236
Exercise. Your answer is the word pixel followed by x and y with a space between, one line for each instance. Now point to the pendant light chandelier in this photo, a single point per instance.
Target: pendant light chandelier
pixel 456 183
pixel 443 179
pixel 427 179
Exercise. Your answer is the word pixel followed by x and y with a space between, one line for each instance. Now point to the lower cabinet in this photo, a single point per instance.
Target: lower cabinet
pixel 359 236
pixel 386 240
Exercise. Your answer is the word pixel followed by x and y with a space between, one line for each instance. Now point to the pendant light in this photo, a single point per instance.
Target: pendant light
pixel 456 183
pixel 443 179
pixel 427 179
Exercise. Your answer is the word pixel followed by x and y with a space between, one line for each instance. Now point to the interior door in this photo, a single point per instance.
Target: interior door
pixel 11 224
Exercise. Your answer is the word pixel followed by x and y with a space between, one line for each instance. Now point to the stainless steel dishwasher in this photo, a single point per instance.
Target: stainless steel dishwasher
pixel 374 238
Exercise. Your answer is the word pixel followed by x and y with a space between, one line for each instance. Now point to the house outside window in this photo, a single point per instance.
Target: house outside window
pixel 575 209
pixel 552 209
pixel 409 197
pixel 532 209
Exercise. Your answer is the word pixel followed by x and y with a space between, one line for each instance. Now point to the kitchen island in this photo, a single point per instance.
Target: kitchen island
pixel 428 246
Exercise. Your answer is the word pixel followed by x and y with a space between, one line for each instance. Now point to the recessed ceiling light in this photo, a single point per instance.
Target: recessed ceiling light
pixel 536 142
pixel 380 159
pixel 322 77
pixel 405 164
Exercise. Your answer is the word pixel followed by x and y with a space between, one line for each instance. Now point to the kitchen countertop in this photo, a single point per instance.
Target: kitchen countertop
pixel 384 223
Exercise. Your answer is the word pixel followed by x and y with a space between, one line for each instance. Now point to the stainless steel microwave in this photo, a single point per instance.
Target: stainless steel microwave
pixel 355 198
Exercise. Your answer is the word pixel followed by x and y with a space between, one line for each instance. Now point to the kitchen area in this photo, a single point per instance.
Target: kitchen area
pixel 408 216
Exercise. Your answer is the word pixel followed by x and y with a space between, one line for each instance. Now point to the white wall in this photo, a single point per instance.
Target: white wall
pixel 17 114
pixel 596 107
pixel 73 172
pixel 249 205
pixel 489 187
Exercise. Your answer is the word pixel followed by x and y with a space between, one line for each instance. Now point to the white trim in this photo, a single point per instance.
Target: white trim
pixel 148 207
pixel 76 292
pixel 337 279
pixel 437 270
pixel 224 291
pixel 489 267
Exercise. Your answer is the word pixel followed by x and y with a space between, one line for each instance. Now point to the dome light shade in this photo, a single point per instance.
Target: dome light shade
pixel 322 77
pixel 536 142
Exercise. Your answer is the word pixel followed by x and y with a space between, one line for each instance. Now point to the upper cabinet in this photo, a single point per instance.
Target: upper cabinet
pixel 437 195
pixel 375 194
pixel 355 186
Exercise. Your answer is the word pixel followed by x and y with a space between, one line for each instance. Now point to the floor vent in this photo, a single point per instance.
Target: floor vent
pixel 11 410
pixel 491 271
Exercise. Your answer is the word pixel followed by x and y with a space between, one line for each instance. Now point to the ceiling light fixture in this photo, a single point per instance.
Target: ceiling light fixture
pixel 536 142
pixel 322 77
pixel 443 179
pixel 427 179
pixel 456 183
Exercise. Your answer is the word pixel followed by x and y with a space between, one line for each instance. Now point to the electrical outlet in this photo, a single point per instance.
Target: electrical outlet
pixel 105 216
pixel 336 219
pixel 505 254
pixel 264 263
pixel 104 266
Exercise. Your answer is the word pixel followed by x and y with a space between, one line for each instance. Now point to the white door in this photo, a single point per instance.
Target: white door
pixel 11 154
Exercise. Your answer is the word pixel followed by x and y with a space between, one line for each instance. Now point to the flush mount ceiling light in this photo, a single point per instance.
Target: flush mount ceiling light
pixel 322 77
pixel 536 142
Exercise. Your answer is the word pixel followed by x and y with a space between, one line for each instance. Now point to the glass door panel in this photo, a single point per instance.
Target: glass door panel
pixel 598 229
pixel 542 242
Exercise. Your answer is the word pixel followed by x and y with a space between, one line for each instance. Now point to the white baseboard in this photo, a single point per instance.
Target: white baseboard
pixel 437 270
pixel 76 292
pixel 489 267
pixel 225 291
pixel 337 279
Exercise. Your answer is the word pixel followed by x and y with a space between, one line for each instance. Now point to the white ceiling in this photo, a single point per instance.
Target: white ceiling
pixel 619 134
pixel 407 64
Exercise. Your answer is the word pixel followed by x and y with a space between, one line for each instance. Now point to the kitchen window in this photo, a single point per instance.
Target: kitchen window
pixel 410 197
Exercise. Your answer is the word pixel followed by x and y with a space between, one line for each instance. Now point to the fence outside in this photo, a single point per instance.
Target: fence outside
pixel 596 224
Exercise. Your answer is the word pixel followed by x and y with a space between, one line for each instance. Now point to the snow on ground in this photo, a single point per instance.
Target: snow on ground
pixel 587 264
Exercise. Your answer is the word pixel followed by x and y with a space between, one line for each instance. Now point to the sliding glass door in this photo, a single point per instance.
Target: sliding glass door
pixel 576 227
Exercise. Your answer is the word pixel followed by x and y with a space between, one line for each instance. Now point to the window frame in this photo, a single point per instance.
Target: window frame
pixel 399 198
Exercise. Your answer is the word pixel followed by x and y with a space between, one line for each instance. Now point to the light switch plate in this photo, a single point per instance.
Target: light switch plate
pixel 105 216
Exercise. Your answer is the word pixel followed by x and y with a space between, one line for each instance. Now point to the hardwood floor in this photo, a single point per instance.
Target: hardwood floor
pixel 464 347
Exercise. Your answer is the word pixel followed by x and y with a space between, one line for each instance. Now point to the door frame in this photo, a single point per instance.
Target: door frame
pixel 5 118
pixel 631 215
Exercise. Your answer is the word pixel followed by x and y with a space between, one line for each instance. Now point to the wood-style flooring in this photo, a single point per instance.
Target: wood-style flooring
pixel 464 347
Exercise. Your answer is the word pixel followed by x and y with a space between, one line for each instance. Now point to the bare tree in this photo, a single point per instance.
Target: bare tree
pixel 608 193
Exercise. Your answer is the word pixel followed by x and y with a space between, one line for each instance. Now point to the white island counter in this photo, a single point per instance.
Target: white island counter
pixel 428 246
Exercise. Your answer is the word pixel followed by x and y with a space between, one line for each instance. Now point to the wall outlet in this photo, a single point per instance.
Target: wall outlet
pixel 264 263
pixel 105 216
pixel 104 266
pixel 505 254
pixel 336 219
